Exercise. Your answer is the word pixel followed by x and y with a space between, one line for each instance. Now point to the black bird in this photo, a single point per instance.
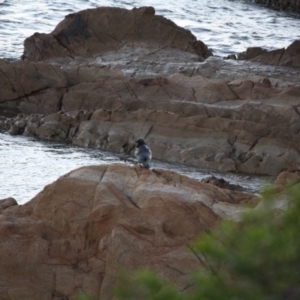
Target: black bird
pixel 143 153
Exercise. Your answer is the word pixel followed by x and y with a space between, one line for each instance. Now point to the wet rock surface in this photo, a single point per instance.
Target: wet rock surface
pixel 81 231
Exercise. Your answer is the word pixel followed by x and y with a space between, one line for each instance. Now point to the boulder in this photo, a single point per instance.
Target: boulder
pixel 93 32
pixel 251 52
pixel 7 202
pixel 285 179
pixel 239 125
pixel 280 57
pixel 80 232
pixel 222 183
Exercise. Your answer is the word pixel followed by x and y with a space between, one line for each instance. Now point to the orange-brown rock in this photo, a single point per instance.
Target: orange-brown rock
pixel 93 32
pixel 39 88
pixel 80 232
pixel 285 179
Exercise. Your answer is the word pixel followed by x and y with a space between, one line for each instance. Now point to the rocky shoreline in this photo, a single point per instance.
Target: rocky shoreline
pixel 79 233
pixel 105 89
pixel 103 78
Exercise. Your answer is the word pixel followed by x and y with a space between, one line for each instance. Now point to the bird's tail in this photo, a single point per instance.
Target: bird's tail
pixel 146 164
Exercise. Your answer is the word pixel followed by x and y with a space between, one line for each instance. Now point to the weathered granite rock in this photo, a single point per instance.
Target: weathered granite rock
pixel 44 88
pixel 92 32
pixel 7 202
pixel 285 179
pixel 39 88
pixel 279 57
pixel 79 232
pixel 251 52
pixel 222 183
pixel 248 137
pixel 247 125
pixel 281 192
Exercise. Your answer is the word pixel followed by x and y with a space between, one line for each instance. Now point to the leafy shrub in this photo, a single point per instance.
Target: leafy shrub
pixel 257 257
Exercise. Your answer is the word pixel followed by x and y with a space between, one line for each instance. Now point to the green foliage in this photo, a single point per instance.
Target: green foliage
pixel 147 285
pixel 83 297
pixel 255 258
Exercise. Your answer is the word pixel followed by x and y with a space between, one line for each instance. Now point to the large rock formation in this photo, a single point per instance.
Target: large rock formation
pixel 279 57
pixel 96 31
pixel 103 84
pixel 248 125
pixel 80 232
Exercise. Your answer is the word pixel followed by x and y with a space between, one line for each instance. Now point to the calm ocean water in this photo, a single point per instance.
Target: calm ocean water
pixel 225 26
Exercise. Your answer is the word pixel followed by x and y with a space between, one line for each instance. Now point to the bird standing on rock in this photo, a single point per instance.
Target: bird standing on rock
pixel 143 153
